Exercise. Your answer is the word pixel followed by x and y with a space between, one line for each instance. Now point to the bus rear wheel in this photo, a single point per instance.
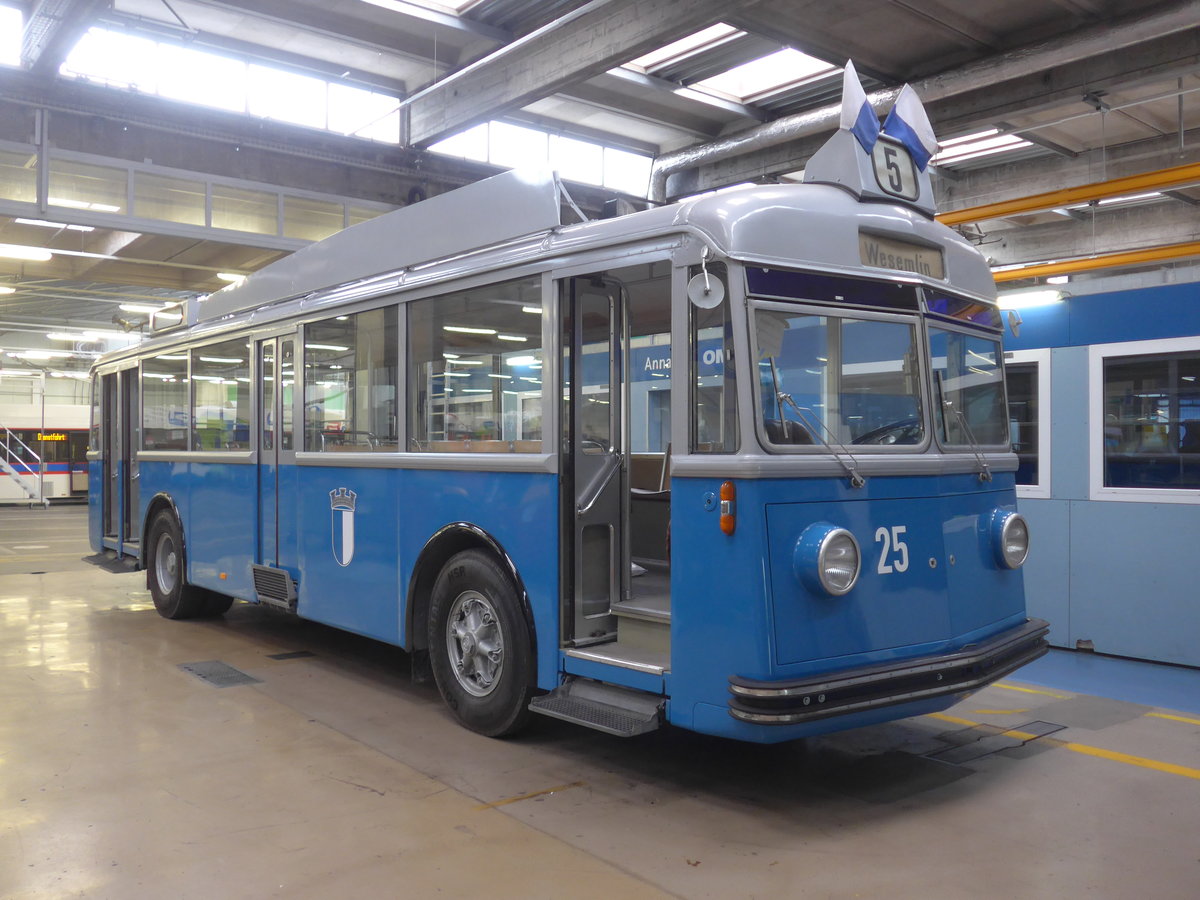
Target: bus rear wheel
pixel 173 597
pixel 479 645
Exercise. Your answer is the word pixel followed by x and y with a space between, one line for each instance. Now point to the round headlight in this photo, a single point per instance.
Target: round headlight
pixel 1011 533
pixel 827 559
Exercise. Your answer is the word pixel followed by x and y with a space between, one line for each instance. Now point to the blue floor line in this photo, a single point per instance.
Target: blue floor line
pixel 1150 684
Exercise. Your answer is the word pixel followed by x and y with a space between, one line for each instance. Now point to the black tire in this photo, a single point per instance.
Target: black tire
pixel 479 645
pixel 216 604
pixel 166 571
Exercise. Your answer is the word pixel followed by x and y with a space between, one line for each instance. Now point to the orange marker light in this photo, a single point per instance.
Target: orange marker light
pixel 223 575
pixel 728 507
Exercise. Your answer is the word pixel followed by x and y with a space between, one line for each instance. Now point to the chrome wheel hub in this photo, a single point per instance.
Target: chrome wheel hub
pixel 475 643
pixel 166 563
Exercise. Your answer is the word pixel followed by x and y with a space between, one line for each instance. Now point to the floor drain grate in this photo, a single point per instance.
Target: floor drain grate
pixel 218 674
pixel 295 654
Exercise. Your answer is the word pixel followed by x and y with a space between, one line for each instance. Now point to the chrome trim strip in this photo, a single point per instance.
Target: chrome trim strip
pixel 793 466
pixel 600 657
pixel 472 462
pixel 237 457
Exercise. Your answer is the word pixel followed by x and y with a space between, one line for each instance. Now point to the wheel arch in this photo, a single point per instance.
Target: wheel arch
pixel 445 543
pixel 157 504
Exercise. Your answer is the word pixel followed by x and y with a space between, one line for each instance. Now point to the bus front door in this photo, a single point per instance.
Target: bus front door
pixel 276 571
pixel 121 438
pixel 595 456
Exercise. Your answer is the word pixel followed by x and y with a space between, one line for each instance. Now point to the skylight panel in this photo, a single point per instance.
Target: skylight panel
pixel 685 47
pixel 11 27
pixel 449 6
pixel 767 74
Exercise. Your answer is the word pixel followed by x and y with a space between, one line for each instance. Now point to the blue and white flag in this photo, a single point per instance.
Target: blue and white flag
pixel 858 117
pixel 908 123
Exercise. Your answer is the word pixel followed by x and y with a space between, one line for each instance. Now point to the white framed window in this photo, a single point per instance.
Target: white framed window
pixel 1027 374
pixel 1144 421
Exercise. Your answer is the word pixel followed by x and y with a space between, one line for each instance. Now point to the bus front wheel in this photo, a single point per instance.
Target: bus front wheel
pixel 173 597
pixel 479 645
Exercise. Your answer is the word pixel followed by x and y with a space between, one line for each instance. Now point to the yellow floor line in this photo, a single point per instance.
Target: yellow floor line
pixel 1100 753
pixel 1025 690
pixel 1173 718
pixel 998 712
pixel 520 797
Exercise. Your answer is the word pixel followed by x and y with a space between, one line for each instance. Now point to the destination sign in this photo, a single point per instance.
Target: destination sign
pixel 881 252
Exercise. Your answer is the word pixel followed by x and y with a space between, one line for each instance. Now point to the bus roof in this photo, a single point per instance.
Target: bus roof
pixel 514 218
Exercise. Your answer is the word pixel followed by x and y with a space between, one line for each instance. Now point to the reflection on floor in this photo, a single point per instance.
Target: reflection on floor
pixel 125 774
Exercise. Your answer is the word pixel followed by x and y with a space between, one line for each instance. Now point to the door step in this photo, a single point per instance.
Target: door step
pixel 604 707
pixel 655 608
pixel 620 653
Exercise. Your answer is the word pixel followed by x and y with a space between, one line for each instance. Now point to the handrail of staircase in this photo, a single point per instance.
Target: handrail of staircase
pixel 14 460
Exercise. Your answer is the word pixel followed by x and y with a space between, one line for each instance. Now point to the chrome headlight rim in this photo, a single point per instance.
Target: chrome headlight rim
pixel 822 553
pixel 811 557
pixel 1005 521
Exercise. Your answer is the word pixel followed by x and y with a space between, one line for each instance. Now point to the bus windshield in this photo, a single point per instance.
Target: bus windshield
pixel 837 379
pixel 969 382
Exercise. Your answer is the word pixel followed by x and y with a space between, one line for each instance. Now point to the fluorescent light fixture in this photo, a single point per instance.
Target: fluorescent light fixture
pixel 104 207
pixel 979 144
pixel 336 347
pixel 455 374
pixel 476 390
pixel 1058 279
pixel 33 254
pixel 466 362
pixel 498 375
pixel 1029 299
pixel 511 337
pixel 231 277
pixel 536 310
pixel 521 360
pixel 463 329
pixel 5 289
pixel 140 308
pixel 176 356
pixel 22 373
pixel 449 356
pixel 64 336
pixel 67 202
pixel 42 223
pixel 222 359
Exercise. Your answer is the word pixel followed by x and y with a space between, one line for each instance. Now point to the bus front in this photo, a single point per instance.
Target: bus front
pixel 847 506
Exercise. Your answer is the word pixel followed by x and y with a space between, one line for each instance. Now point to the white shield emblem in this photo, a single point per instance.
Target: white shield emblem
pixel 341 502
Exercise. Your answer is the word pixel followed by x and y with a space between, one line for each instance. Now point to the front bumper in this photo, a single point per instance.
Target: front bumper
pixel 886 684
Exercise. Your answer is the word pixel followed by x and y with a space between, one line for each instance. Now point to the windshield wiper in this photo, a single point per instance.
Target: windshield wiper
pixel 849 463
pixel 985 472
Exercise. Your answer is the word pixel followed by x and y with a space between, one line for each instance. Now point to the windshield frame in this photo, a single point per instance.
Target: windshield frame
pixel 922 378
pixel 937 425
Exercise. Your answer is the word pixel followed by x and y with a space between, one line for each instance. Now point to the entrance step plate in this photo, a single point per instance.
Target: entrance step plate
pixel 608 708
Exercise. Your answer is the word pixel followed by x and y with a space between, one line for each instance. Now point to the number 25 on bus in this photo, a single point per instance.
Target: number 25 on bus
pixel 739 464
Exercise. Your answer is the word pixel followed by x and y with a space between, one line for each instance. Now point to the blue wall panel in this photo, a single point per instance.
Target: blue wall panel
pixel 1047 571
pixel 1133 580
pixel 1117 573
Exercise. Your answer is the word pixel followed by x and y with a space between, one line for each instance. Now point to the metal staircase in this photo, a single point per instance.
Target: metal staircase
pixel 25 469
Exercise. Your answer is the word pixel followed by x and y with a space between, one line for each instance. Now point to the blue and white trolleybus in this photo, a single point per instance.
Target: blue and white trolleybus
pixel 740 464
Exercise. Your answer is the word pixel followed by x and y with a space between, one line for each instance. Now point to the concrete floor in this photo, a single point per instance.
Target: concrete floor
pixel 124 776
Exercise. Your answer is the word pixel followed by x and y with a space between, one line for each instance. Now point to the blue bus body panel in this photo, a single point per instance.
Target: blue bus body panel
pixel 95 469
pixel 367 595
pixel 743 611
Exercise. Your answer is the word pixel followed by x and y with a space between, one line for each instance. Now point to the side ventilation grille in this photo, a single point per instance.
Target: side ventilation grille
pixel 274 586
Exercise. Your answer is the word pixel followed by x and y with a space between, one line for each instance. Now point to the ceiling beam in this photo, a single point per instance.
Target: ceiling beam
pixel 1106 230
pixel 580 45
pixel 51 29
pixel 957 103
